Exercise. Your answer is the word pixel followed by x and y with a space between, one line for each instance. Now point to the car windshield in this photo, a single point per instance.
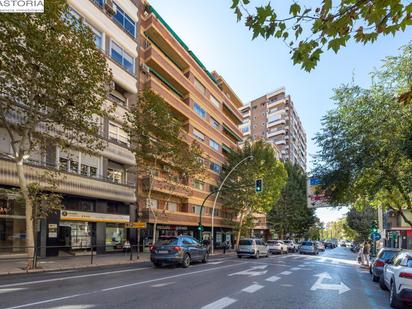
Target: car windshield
pixel 386 255
pixel 271 242
pixel 307 243
pixel 409 263
pixel 245 242
pixel 167 241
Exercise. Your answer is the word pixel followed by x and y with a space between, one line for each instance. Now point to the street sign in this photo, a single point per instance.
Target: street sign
pixel 375 236
pixel 135 225
pixel 315 195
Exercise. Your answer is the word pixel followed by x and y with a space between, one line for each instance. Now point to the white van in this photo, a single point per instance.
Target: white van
pixel 252 247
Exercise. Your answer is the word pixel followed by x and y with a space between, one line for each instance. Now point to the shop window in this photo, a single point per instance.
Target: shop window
pixel 115 237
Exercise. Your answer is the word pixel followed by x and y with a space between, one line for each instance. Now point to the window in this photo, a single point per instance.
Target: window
pixel 214 101
pixel 199 86
pixel 215 167
pixel 115 175
pixel 214 123
pixel 99 2
pixel 245 129
pixel 172 206
pixel 196 209
pixel 199 135
pixel 200 111
pixel 214 145
pixel 118 54
pixel 198 185
pixel 118 134
pixel 98 38
pixel 273 118
pixel 152 203
pixel 63 164
pixel 125 21
pixel 93 171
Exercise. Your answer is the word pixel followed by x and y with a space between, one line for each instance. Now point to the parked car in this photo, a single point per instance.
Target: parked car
pixel 182 250
pixel 396 278
pixel 320 245
pixel 292 246
pixel 277 246
pixel 342 243
pixel 308 247
pixel 252 247
pixel 384 256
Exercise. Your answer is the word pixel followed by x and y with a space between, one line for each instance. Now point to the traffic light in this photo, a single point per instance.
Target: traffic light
pixel 200 228
pixel 258 185
pixel 374 227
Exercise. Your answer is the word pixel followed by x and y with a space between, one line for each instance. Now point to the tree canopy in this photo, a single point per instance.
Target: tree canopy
pixel 53 84
pixel 309 30
pixel 290 214
pixel 361 221
pixel 239 196
pixel 363 158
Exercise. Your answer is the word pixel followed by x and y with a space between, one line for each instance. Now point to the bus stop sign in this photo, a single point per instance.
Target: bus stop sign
pixel 375 236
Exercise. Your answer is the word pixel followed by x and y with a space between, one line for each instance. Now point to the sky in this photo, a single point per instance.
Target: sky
pixel 254 68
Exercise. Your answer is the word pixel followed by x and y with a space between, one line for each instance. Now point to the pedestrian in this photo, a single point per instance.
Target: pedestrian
pixel 126 246
pixel 366 252
pixel 225 246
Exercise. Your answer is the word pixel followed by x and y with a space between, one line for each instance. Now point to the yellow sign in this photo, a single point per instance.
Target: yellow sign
pixel 135 225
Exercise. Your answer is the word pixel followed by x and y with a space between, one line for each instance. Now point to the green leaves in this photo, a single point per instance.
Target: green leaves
pixel 331 26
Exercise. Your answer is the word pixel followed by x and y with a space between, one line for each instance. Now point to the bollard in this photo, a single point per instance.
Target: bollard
pixel 91 255
pixel 131 253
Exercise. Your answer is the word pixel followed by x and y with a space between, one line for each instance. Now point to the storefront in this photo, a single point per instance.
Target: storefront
pixel 79 231
pixel 12 225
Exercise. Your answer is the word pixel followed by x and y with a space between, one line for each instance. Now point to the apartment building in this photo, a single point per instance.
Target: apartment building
pixel 99 190
pixel 273 117
pixel 209 108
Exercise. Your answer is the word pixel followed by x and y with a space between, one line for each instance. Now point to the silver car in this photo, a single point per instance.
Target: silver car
pixel 308 247
pixel 252 247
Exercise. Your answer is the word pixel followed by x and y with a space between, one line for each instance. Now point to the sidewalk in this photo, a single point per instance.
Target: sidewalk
pixel 10 266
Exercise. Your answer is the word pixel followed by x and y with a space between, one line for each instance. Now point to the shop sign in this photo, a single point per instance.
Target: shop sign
pixel 172 227
pixel 52 230
pixel 135 225
pixel 70 215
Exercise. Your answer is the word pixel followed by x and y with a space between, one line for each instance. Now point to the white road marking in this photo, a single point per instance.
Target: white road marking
pixel 318 285
pixel 220 303
pixel 71 277
pixel 122 286
pixel 252 272
pixel 215 263
pixel 287 285
pixel 168 277
pixel 272 279
pixel 11 290
pixel 285 272
pixel 61 271
pixel 253 288
pixel 295 268
pixel 161 284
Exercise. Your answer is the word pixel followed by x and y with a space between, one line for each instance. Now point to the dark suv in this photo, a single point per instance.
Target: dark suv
pixel 180 250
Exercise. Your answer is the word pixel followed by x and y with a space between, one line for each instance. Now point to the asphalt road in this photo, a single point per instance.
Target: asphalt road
pixel 331 280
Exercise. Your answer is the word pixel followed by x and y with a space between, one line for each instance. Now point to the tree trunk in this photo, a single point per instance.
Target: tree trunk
pixel 29 214
pixel 240 230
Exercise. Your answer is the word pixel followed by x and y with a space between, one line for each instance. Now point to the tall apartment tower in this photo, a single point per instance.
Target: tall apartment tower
pixel 273 117
pixel 209 108
pixel 98 190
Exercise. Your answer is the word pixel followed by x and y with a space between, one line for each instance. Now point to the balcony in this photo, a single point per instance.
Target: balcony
pixel 119 154
pixel 276 132
pixel 276 102
pixel 167 187
pixel 122 77
pixel 70 183
pixel 275 123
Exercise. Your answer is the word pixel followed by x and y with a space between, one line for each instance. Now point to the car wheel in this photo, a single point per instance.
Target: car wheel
pixel 393 297
pixel 186 261
pixel 382 283
pixel 375 278
pixel 157 264
pixel 205 258
pixel 257 255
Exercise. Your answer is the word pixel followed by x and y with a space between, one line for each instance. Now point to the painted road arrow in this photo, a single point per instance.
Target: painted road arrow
pixel 252 272
pixel 341 287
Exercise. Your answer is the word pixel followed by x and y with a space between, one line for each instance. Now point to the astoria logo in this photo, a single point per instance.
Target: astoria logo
pixel 21 6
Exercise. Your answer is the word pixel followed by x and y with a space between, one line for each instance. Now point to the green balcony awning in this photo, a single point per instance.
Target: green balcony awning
pixel 233 134
pixel 226 148
pixel 164 80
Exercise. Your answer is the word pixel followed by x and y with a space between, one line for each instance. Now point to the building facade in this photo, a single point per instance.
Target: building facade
pixel 98 190
pixel 273 117
pixel 209 108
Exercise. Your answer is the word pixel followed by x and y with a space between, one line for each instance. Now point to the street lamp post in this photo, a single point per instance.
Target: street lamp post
pixel 217 195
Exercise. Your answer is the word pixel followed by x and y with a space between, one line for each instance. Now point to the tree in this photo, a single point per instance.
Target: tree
pixel 362 159
pixel 361 221
pixel 158 139
pixel 239 196
pixel 53 82
pixel 290 214
pixel 308 31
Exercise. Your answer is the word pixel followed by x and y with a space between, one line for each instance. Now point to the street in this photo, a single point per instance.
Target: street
pixel 331 279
